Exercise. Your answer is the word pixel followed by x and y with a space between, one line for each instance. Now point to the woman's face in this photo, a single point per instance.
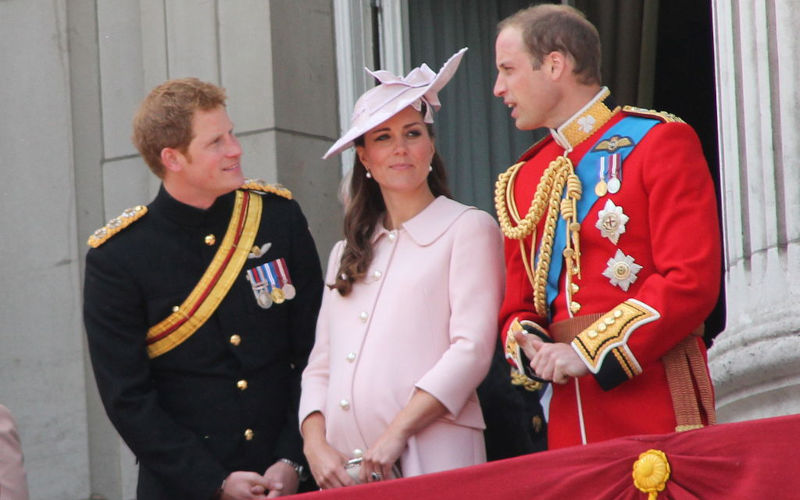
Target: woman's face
pixel 398 153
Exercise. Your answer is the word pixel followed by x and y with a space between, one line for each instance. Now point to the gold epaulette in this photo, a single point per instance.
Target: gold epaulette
pixel 262 186
pixel 651 113
pixel 116 225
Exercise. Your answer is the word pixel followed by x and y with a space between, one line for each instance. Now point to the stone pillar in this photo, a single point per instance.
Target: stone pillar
pixel 755 362
pixel 41 362
pixel 305 112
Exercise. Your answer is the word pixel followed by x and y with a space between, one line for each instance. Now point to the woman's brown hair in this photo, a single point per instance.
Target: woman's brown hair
pixel 364 209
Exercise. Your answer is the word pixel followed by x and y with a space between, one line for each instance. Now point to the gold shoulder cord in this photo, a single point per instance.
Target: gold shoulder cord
pixel 501 204
pixel 557 175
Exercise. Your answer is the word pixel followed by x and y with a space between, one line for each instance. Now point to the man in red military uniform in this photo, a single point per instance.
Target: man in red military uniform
pixel 612 242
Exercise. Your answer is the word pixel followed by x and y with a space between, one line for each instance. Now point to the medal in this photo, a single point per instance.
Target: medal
pixel 288 291
pixel 286 282
pixel 611 221
pixel 260 284
pixel 275 282
pixel 615 173
pixel 600 189
pixel 263 299
pixel 271 284
pixel 621 270
pixel 277 295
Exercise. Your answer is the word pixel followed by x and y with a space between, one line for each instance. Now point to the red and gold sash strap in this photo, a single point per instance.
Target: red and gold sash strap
pixel 689 385
pixel 215 282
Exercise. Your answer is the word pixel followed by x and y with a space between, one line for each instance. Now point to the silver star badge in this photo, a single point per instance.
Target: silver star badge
pixel 622 270
pixel 611 221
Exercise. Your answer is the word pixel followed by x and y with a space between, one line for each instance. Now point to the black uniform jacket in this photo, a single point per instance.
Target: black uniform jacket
pixel 226 398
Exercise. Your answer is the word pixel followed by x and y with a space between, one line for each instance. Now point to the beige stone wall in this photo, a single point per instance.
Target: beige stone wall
pixel 73 73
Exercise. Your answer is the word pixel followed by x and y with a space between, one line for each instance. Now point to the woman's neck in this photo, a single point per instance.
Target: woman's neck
pixel 403 207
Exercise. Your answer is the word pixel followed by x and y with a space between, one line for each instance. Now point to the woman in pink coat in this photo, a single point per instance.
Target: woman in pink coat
pixel 408 325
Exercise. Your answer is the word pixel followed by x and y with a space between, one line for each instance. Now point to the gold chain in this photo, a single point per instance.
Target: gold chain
pixel 563 168
pixel 559 173
pixel 503 198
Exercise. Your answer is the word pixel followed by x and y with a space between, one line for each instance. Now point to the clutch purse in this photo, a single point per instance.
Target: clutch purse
pixel 353 468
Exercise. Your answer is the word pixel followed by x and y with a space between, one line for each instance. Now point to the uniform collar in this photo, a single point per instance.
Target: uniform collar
pixel 428 225
pixel 188 215
pixel 588 120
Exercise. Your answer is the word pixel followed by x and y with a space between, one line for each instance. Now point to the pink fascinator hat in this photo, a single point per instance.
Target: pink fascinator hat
pixel 393 95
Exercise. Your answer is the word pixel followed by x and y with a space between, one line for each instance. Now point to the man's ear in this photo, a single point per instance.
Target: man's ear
pixel 556 64
pixel 172 159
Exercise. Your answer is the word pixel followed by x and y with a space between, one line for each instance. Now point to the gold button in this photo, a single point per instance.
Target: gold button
pixel 592 334
pixel 175 309
pixel 242 384
pixel 609 321
pixel 235 339
pixel 574 307
pixel 601 327
pixel 617 313
pixel 345 404
pixel 248 434
pixel 210 239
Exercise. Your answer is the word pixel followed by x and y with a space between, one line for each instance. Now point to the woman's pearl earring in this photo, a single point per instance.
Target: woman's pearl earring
pixel 369 175
pixel 430 168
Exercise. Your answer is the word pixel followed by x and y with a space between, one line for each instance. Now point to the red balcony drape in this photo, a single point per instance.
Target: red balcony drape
pixel 746 460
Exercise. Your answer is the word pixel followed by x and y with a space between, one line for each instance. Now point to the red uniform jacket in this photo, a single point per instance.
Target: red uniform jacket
pixel 666 205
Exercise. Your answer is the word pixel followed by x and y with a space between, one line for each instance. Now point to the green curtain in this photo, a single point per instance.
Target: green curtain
pixel 475 134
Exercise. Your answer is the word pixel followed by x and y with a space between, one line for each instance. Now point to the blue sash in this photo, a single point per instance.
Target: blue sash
pixel 632 127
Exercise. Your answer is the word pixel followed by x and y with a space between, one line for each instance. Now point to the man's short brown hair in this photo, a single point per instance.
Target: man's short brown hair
pixel 548 27
pixel 164 118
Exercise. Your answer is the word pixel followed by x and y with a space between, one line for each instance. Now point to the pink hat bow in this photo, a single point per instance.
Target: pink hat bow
pixel 393 94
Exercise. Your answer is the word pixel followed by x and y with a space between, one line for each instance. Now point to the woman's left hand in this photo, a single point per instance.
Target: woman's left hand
pixel 421 411
pixel 380 457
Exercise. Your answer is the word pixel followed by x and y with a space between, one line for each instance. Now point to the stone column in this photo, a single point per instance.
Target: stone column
pixel 755 362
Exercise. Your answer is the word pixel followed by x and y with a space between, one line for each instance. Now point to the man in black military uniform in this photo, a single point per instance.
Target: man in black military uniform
pixel 200 311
